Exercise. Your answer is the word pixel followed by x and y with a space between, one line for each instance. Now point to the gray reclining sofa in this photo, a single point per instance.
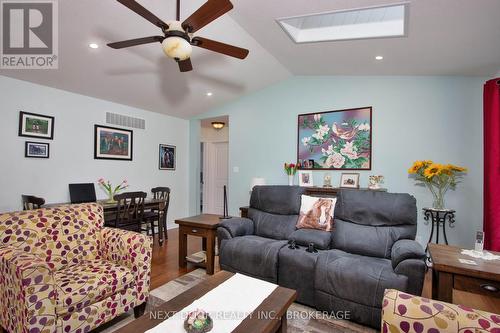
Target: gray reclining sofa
pixel 371 248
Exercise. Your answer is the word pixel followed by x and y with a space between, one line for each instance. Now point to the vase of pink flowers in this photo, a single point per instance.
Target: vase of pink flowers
pixel 291 169
pixel 111 190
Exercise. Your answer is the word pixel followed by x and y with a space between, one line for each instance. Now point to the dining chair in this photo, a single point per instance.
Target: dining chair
pixel 162 194
pixel 129 211
pixel 31 202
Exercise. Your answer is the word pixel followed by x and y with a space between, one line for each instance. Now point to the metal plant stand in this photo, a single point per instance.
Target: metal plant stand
pixel 437 218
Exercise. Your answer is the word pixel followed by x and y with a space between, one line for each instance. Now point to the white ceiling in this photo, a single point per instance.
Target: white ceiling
pixel 142 76
pixel 446 37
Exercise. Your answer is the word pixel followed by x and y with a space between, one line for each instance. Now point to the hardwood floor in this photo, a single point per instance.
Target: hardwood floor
pixel 165 264
pixel 165 267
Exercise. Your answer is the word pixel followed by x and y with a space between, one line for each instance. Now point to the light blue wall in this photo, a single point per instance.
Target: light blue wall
pixel 437 118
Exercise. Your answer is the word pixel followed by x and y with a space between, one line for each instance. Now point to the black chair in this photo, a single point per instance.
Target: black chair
pixel 82 193
pixel 160 215
pixel 31 202
pixel 129 211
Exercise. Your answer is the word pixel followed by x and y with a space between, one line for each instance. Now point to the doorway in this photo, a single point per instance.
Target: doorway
pixel 214 164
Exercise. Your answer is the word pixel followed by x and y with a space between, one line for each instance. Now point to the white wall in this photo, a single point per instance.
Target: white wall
pixel 72 150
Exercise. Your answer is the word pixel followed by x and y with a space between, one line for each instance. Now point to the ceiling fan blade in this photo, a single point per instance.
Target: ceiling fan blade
pixel 185 65
pixel 137 8
pixel 134 42
pixel 219 47
pixel 208 12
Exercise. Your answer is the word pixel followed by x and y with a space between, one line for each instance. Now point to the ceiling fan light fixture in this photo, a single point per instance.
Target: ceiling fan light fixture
pixel 218 125
pixel 177 40
pixel 177 48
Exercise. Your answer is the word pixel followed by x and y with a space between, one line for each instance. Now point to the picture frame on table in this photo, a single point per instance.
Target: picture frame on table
pixel 33 125
pixel 306 164
pixel 305 178
pixel 349 180
pixel 36 149
pixel 111 143
pixel 167 157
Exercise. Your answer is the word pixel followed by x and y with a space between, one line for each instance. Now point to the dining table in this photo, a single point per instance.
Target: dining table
pixel 110 208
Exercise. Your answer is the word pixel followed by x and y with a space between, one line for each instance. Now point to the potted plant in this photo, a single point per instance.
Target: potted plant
pixel 291 170
pixel 110 190
pixel 438 178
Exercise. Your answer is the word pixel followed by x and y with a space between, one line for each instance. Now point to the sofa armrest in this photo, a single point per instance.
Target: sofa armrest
pixel 405 312
pixel 238 226
pixel 405 249
pixel 27 291
pixel 132 250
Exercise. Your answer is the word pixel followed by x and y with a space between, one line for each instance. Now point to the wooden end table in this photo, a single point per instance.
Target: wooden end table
pixel 275 305
pixel 205 226
pixel 449 273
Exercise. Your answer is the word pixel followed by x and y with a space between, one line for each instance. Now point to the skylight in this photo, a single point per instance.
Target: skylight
pixel 363 23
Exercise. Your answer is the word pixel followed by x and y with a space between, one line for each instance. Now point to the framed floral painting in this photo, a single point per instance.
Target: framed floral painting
pixel 338 140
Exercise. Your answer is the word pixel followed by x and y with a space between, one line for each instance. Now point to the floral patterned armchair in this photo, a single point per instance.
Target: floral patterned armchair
pixel 62 271
pixel 402 312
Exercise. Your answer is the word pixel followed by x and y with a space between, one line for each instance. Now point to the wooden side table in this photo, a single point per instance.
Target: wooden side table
pixel 449 273
pixel 205 226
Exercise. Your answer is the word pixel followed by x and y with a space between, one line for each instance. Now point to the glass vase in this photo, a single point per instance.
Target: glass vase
pixel 290 180
pixel 437 197
pixel 111 197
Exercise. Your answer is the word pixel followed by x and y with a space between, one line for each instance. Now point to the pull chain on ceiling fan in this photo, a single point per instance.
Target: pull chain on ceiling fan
pixel 177 40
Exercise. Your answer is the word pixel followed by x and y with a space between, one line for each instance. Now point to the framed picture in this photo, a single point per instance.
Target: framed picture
pixel 167 157
pixel 112 143
pixel 349 180
pixel 305 178
pixel 336 140
pixel 36 149
pixel 34 125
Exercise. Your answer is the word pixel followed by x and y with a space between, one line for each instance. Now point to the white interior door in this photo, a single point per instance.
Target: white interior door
pixel 215 174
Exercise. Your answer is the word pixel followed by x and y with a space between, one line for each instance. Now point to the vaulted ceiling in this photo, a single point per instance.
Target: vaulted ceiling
pixel 446 37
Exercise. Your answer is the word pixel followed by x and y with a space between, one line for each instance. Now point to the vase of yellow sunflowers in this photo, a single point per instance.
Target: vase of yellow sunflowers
pixel 438 178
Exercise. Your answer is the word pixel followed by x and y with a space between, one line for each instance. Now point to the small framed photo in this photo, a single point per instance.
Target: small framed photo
pixel 36 150
pixel 167 158
pixel 112 143
pixel 305 178
pixel 349 180
pixel 34 125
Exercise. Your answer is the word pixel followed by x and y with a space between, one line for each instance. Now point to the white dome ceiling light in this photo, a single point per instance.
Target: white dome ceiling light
pixel 177 44
pixel 177 41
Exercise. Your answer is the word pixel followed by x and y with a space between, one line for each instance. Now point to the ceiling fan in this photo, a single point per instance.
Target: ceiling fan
pixel 178 37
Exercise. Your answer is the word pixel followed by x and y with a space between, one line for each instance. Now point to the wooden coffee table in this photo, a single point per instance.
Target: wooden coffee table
pixel 449 273
pixel 205 226
pixel 275 304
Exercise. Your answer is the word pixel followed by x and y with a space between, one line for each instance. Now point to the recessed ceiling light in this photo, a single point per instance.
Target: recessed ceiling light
pixel 379 57
pixel 93 46
pixel 209 94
